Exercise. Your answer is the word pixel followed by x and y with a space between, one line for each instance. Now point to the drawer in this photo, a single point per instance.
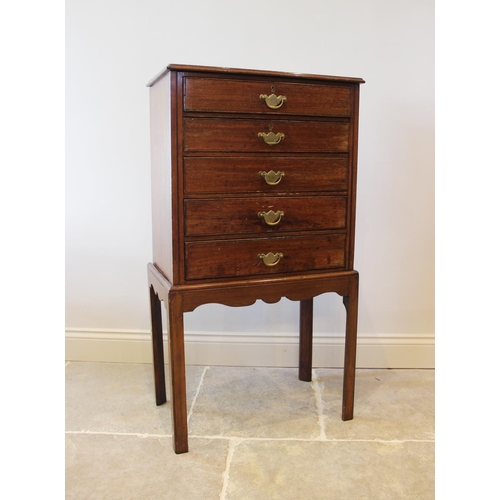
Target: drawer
pixel 243 174
pixel 233 135
pixel 243 96
pixel 264 215
pixel 247 257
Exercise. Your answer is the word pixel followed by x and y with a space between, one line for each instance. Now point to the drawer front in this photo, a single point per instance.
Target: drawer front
pixel 233 135
pixel 264 215
pixel 243 96
pixel 243 174
pixel 232 258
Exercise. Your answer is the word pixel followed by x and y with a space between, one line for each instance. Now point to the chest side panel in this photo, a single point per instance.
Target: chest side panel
pixel 161 174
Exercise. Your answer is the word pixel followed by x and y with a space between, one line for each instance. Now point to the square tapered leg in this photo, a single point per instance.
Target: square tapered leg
pixel 351 305
pixel 306 340
pixel 157 341
pixel 177 372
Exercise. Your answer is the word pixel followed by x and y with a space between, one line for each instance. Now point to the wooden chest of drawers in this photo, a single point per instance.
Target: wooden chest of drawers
pixel 253 188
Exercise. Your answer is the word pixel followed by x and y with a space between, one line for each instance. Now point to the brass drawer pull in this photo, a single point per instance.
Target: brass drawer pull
pixel 271 217
pixel 272 178
pixel 273 101
pixel 270 259
pixel 270 137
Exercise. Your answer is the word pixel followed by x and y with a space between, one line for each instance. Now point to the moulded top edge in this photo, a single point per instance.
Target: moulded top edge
pixel 153 80
pixel 238 71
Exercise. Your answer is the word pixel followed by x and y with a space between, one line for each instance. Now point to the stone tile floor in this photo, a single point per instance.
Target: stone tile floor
pixel 254 434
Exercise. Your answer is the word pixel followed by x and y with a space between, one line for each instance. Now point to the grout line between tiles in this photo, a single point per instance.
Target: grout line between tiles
pixel 197 392
pixel 318 393
pixel 134 434
pixel 238 440
pixel 233 443
pixel 314 440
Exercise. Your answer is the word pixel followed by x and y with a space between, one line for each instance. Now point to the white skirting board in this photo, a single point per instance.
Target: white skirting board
pixel 207 348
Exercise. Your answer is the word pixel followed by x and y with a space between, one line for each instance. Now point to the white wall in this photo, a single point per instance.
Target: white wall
pixel 114 47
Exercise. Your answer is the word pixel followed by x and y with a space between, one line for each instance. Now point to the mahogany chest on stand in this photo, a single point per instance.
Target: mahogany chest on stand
pixel 254 197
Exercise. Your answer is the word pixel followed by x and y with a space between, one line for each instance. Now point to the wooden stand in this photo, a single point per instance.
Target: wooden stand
pixel 179 299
